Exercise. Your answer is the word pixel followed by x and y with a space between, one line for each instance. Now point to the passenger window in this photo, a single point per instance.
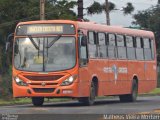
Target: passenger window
pixel 138 42
pixel 130 48
pixel 112 39
pixel 152 48
pixel 120 40
pixel 101 39
pixel 102 45
pixel 92 47
pixel 112 54
pixel 91 38
pixel 129 41
pixel 147 49
pixel 139 49
pixel 121 47
pixel 146 43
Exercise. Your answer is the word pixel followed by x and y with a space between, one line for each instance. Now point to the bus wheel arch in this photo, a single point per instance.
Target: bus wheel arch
pixel 135 78
pixel 93 88
pixel 133 94
pixel 95 81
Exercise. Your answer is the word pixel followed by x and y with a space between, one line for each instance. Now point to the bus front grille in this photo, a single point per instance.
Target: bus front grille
pixel 43 90
pixel 43 78
pixel 45 84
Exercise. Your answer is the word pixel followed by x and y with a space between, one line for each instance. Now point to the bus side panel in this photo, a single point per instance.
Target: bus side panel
pixel 150 81
pixel 146 86
pixel 83 82
pixel 112 77
pixel 123 83
pixel 139 72
pixel 118 78
pixel 131 72
pixel 86 74
pixel 149 70
pixel 98 68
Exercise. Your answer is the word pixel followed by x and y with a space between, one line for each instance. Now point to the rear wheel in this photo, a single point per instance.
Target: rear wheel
pixel 91 99
pixel 37 101
pixel 130 97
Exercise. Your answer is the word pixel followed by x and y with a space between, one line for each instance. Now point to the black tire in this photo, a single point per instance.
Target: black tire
pixel 130 97
pixel 91 99
pixel 37 101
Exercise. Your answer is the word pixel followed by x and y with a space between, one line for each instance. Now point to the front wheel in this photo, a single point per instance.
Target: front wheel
pixel 91 99
pixel 37 101
pixel 130 97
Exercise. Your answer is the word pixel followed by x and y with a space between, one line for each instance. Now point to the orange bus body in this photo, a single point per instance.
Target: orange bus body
pixel 98 69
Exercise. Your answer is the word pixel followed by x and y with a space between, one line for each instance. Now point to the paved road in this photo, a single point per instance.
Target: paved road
pixel 107 106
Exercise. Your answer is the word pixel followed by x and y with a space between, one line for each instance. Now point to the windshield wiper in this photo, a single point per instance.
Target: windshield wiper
pixel 33 42
pixel 54 40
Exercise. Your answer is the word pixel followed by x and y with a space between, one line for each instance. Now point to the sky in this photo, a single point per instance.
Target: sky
pixel 117 17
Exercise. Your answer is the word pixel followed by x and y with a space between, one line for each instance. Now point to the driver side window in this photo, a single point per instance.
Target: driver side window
pixel 83 51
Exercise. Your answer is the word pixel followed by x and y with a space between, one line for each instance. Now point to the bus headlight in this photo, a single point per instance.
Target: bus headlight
pixel 69 80
pixel 20 82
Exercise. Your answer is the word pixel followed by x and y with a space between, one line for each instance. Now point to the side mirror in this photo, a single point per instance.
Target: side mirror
pixel 7 46
pixel 84 41
pixel 9 41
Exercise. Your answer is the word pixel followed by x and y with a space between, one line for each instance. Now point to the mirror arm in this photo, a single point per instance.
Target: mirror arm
pixel 9 36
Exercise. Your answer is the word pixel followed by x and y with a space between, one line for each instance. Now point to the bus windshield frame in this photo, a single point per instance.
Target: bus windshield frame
pixel 41 56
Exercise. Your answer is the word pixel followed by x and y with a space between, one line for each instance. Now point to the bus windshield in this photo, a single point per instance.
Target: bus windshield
pixel 44 54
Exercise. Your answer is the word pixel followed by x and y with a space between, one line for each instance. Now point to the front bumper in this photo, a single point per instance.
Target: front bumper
pixel 46 91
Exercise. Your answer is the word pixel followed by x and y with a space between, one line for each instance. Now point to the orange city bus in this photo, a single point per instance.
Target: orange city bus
pixel 63 58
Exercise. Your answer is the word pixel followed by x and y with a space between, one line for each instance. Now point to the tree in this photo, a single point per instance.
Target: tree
pixel 62 10
pixel 80 9
pixel 128 9
pixel 14 11
pixel 150 20
pixel 107 7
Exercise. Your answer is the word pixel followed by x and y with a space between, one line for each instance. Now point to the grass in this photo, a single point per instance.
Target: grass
pixel 155 92
pixel 19 101
pixel 15 101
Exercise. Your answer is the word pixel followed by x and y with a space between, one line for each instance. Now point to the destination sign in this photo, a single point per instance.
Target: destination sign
pixel 45 29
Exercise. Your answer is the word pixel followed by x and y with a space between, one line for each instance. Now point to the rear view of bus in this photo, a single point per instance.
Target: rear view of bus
pixel 44 60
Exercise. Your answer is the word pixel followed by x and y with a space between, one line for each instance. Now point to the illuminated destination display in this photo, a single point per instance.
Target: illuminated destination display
pixel 41 29
pixel 45 29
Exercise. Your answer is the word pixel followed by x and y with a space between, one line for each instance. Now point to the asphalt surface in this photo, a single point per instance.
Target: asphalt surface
pixel 101 107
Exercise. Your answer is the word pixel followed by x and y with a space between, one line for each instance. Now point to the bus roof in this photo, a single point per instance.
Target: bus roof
pixel 47 21
pixel 97 27
pixel 115 29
